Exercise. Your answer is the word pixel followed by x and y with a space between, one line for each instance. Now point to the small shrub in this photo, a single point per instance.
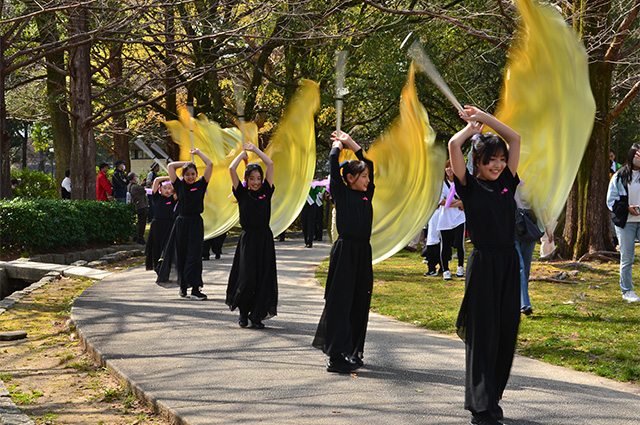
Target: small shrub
pixel 34 184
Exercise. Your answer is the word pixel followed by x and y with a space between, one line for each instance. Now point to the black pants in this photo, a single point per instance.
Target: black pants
pixel 488 322
pixel 189 235
pixel 433 257
pixel 141 224
pixel 214 245
pixel 452 238
pixel 308 218
pixel 319 222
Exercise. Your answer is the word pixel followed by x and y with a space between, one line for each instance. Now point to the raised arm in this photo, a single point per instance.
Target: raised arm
pixel 507 133
pixel 267 161
pixel 456 156
pixel 172 167
pixel 157 181
pixel 234 167
pixel 207 162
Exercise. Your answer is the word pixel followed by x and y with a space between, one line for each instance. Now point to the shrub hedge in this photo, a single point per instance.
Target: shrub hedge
pixel 32 224
pixel 34 184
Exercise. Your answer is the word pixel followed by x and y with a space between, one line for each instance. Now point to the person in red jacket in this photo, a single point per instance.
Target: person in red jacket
pixel 103 185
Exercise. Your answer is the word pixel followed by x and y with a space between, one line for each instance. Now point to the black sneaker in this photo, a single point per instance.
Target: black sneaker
pixel 497 412
pixel 198 296
pixel 483 418
pixel 431 273
pixel 257 325
pixel 243 321
pixel 339 364
pixel 355 361
pixel 182 293
pixel 527 311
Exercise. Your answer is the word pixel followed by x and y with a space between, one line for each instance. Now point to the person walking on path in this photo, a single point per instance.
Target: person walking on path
pixel 490 312
pixel 623 199
pixel 140 201
pixel 253 281
pixel 189 228
pixel 343 324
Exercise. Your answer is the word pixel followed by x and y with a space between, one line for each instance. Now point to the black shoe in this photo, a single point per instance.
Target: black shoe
pixel 431 273
pixel 339 364
pixel 257 325
pixel 497 413
pixel 355 361
pixel 182 293
pixel 198 296
pixel 205 258
pixel 243 321
pixel 527 311
pixel 217 256
pixel 483 418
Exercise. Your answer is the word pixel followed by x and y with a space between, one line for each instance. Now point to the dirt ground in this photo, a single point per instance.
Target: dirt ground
pixel 50 377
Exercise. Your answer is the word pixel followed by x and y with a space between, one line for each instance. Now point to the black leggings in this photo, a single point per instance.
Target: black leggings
pixel 452 238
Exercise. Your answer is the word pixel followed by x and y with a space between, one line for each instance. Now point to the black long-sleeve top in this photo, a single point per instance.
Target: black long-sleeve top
pixel 354 213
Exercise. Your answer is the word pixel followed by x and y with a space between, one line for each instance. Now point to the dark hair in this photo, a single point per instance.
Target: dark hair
pixel 102 165
pixel 485 146
pixel 625 172
pixel 131 176
pixel 188 165
pixel 67 173
pixel 251 168
pixel 353 167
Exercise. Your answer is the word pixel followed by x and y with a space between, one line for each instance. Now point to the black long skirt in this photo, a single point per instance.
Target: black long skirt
pixel 343 324
pixel 488 323
pixel 189 233
pixel 159 232
pixel 253 281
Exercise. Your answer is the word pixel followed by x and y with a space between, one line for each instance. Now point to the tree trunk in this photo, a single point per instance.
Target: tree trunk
pixel 171 77
pixel 119 122
pixel 57 103
pixel 5 157
pixel 83 149
pixel 587 226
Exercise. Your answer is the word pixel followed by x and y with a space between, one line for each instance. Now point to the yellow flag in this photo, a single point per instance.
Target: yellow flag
pixel 221 146
pixel 547 99
pixel 293 152
pixel 408 173
pixel 292 149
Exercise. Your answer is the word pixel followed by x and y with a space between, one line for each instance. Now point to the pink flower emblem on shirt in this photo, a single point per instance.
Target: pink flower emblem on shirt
pixel 364 198
pixel 505 190
pixel 262 196
pixel 195 188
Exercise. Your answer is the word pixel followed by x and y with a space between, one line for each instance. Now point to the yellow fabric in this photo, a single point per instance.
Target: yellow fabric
pixel 292 149
pixel 293 152
pixel 547 99
pixel 408 172
pixel 221 146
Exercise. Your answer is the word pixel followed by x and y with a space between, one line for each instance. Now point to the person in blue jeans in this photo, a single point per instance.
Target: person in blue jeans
pixel 623 199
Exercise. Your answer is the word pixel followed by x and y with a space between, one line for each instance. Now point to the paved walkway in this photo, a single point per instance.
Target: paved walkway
pixel 193 361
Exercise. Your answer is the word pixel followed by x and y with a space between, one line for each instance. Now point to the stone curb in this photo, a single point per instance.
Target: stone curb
pixel 158 407
pixel 10 414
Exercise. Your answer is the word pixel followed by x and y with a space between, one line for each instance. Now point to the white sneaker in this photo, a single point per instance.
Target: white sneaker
pixel 460 271
pixel 425 262
pixel 446 275
pixel 630 296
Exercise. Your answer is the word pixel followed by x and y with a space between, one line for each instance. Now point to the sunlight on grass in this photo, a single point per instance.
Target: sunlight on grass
pixel 584 325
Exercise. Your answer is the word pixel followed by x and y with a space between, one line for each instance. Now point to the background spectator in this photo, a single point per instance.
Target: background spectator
pixel 66 185
pixel 103 185
pixel 119 181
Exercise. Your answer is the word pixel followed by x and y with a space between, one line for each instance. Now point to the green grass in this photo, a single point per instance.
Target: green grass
pixel 585 325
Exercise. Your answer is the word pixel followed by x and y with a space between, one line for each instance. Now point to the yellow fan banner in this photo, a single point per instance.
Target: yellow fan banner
pixel 408 174
pixel 221 146
pixel 547 99
pixel 292 150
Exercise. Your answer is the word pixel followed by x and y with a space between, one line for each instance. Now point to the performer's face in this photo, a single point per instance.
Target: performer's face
pixel 254 181
pixel 190 176
pixel 166 189
pixel 491 170
pixel 359 182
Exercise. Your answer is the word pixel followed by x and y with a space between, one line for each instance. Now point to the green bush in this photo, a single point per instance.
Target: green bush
pixel 34 224
pixel 34 184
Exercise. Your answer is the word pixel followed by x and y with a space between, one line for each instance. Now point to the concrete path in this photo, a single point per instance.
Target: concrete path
pixel 193 361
